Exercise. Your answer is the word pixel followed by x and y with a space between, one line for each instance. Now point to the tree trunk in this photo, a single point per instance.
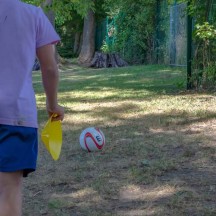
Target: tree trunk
pixel 51 16
pixel 105 60
pixel 76 43
pixel 88 41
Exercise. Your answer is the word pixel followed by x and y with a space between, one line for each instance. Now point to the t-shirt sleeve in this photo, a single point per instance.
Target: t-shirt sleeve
pixel 46 33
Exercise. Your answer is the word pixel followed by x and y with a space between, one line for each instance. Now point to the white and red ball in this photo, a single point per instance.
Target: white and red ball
pixel 92 139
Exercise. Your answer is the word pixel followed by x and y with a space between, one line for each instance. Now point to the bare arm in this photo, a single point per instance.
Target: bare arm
pixel 50 78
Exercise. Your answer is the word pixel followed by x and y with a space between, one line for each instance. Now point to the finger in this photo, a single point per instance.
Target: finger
pixel 57 118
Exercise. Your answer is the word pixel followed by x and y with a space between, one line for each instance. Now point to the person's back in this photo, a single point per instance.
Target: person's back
pixel 20 35
pixel 25 32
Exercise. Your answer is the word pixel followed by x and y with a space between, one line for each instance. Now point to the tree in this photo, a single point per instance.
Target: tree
pixel 46 5
pixel 88 41
pixel 94 12
pixel 86 11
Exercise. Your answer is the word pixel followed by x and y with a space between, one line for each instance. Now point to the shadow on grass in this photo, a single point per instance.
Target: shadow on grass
pixel 146 168
pixel 152 164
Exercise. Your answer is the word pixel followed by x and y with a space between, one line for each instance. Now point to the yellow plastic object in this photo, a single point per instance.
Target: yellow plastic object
pixel 51 136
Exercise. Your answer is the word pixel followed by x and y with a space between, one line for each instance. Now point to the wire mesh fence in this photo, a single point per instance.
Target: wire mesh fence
pixel 169 43
pixel 212 14
pixel 101 33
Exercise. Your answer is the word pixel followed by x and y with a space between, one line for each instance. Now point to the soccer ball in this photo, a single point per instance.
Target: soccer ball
pixel 92 139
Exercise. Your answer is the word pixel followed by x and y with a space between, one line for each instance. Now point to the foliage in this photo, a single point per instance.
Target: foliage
pixel 204 58
pixel 66 10
pixel 133 29
pixel 105 48
pixel 134 23
pixel 34 2
pixel 67 31
pixel 205 44
pixel 69 16
pixel 205 32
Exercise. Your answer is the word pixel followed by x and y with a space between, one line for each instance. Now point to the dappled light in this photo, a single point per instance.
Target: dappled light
pixel 133 192
pixel 159 155
pixel 85 193
pixel 117 99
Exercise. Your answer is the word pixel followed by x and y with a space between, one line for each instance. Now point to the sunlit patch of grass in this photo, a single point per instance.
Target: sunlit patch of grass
pixel 136 192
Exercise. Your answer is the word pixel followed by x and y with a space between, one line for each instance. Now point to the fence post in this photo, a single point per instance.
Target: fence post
pixel 189 49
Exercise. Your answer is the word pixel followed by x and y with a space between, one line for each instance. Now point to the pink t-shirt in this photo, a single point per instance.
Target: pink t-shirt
pixel 23 28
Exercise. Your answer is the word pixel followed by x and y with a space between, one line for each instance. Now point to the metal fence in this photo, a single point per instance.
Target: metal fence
pixel 170 46
pixel 212 14
pixel 101 33
pixel 170 34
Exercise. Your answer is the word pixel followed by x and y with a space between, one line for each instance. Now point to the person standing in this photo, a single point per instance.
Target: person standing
pixel 25 33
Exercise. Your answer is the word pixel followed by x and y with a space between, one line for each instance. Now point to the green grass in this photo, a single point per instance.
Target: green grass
pixel 159 157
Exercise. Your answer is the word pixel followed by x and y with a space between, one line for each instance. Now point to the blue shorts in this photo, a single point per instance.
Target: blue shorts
pixel 18 149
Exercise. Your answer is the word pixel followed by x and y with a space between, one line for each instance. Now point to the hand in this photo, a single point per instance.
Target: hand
pixel 57 113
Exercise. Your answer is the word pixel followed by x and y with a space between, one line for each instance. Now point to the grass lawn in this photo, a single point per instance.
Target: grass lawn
pixel 160 152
